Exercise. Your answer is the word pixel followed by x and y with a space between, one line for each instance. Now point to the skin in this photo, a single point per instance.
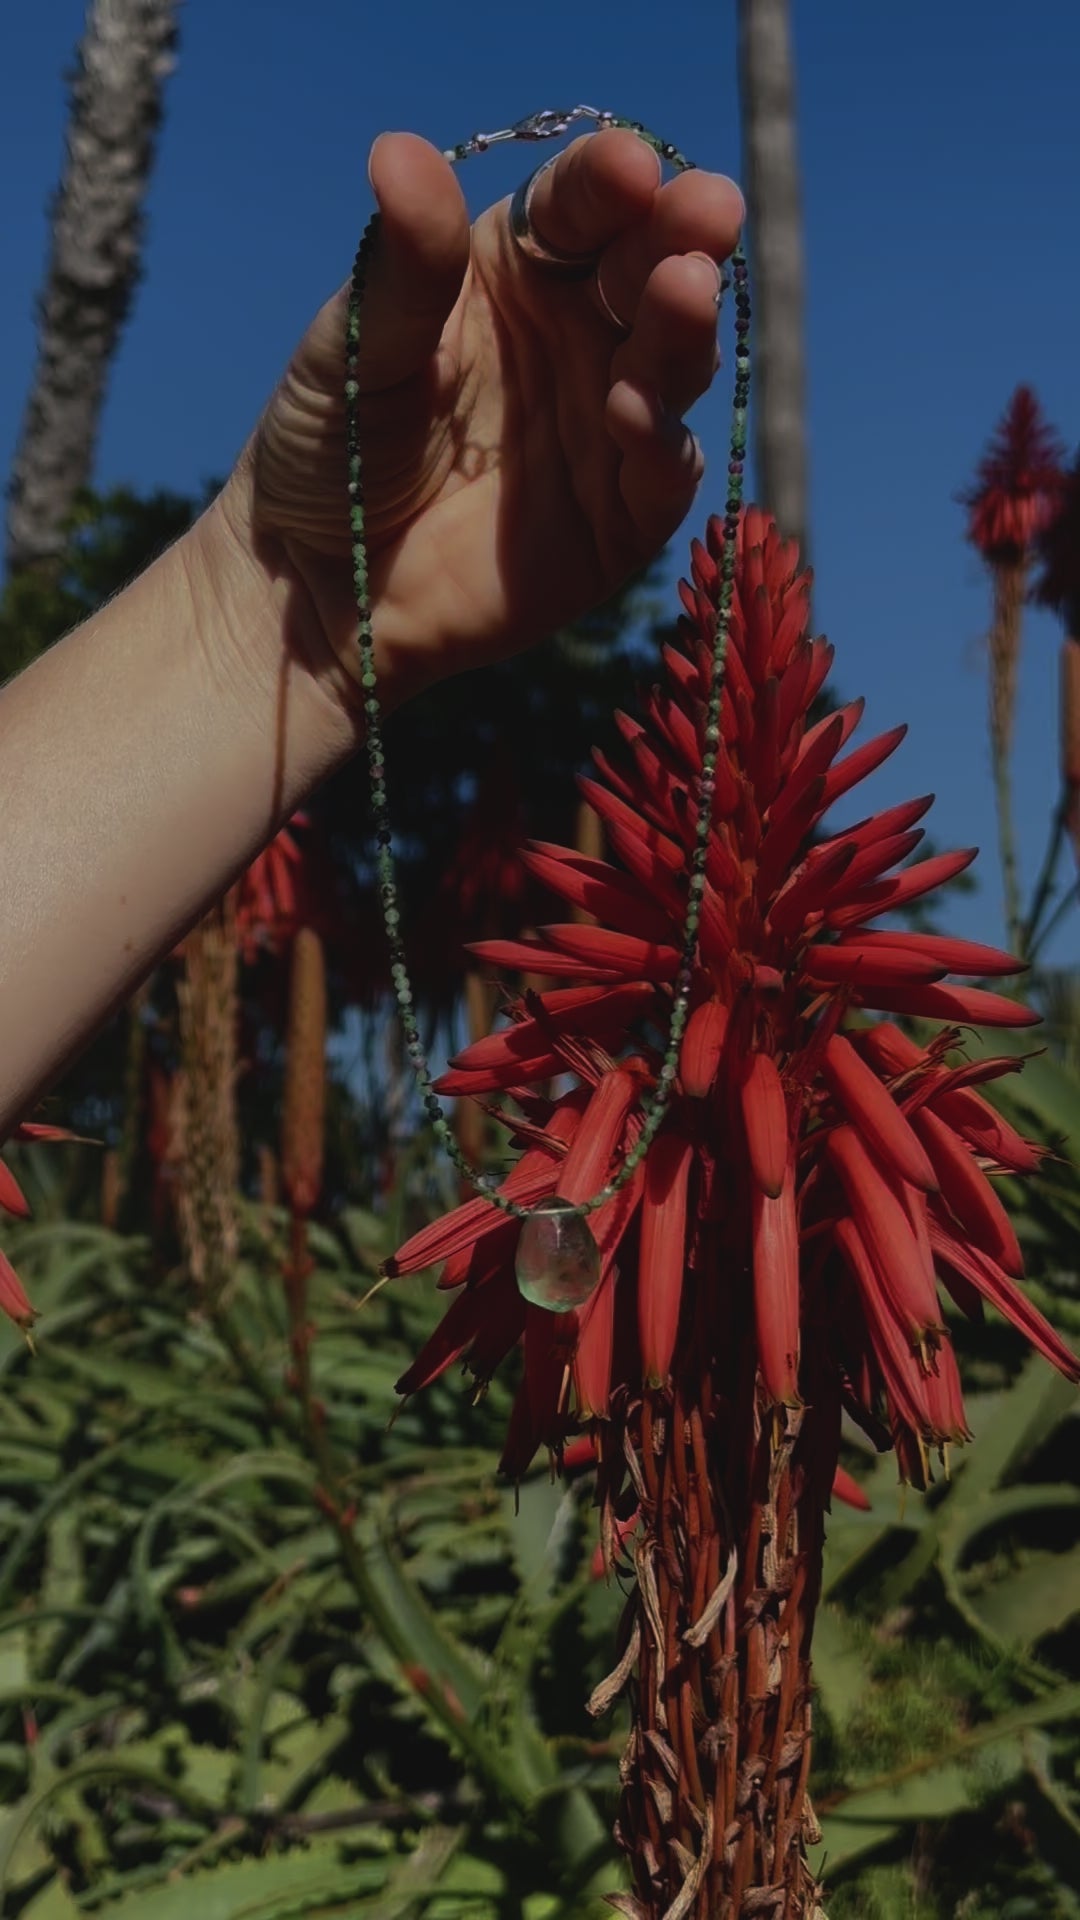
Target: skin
pixel 521 458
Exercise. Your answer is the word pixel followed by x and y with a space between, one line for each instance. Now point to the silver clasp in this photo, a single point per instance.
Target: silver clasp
pixel 545 125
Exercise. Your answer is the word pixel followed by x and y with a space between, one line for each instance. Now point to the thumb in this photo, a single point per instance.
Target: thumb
pixel 419 260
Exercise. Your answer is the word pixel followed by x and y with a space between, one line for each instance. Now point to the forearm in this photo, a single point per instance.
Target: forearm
pixel 144 760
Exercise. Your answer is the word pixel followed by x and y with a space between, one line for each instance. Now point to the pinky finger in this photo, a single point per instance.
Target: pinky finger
pixel 662 463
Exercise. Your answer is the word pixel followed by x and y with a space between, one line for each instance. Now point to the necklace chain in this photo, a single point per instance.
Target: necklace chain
pixel 547 124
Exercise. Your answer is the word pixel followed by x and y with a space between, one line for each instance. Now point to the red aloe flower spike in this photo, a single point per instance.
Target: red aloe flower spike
pixel 773 1258
pixel 1018 483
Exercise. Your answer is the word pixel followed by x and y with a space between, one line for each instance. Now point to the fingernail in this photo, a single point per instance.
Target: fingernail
pixel 371 155
pixel 737 191
pixel 708 261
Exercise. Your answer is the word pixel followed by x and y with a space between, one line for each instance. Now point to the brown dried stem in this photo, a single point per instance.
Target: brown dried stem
pixel 206 1127
pixel 714 1811
pixel 1009 575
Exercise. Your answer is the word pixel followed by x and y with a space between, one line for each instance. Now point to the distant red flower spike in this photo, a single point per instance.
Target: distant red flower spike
pixel 1018 483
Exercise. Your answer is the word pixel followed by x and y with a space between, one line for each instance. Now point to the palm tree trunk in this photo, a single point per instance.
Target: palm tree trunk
pixel 94 265
pixel 774 205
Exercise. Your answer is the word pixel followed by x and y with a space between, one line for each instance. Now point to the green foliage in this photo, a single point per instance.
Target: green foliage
pixel 111 538
pixel 193 1705
pixel 947 1648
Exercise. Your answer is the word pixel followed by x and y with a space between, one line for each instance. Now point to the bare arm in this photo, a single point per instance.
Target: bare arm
pixel 144 760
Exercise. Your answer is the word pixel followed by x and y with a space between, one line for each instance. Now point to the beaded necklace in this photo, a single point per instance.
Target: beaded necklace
pixel 557 1262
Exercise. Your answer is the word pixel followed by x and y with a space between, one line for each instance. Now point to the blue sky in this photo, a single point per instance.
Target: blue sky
pixel 941 174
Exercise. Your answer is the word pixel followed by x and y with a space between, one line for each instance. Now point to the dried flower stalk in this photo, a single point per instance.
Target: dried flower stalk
pixel 206 1140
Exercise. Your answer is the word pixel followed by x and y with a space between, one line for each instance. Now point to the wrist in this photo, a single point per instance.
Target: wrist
pixel 260 627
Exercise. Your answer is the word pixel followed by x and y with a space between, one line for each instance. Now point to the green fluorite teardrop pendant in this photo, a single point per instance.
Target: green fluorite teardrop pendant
pixel 558 1261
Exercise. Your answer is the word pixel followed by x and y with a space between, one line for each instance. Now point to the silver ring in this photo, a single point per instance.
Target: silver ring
pixel 621 326
pixel 555 260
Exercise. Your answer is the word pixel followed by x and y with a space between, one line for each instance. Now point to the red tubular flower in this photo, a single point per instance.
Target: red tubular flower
pixel 779 1255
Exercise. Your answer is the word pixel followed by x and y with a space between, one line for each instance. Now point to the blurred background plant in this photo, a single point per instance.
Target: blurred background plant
pixel 262 1651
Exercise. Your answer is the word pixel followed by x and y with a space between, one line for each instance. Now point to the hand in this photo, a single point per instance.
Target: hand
pixel 521 458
